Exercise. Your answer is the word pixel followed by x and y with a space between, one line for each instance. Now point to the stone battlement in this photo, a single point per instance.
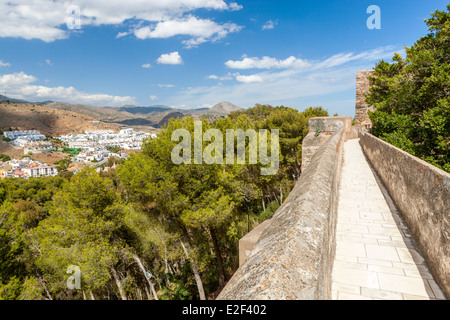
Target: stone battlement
pixel 293 255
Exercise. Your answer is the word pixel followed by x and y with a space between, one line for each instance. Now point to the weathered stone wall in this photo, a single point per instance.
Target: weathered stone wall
pixel 248 242
pixel 422 194
pixel 326 127
pixel 294 255
pixel 361 107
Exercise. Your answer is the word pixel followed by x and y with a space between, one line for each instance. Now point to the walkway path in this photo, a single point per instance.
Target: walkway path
pixel 375 254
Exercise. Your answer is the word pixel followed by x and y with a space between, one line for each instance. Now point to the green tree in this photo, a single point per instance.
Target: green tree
pixel 411 96
pixel 191 201
pixel 12 247
pixel 83 229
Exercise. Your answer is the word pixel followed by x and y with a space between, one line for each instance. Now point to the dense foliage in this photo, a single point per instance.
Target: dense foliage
pixel 411 96
pixel 150 229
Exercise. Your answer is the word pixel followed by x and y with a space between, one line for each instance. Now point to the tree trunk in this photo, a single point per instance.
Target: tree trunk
pixel 138 293
pixel 45 287
pixel 276 199
pixel 176 268
pixel 48 293
pixel 222 276
pixel 141 266
pixel 84 295
pixel 119 285
pixel 170 269
pixel 197 277
pixel 165 261
pixel 263 202
pixel 281 195
pixel 149 296
pixel 92 295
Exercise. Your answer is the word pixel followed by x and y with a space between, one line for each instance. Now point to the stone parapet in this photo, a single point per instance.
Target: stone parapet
pixel 293 257
pixel 320 130
pixel 421 192
pixel 248 242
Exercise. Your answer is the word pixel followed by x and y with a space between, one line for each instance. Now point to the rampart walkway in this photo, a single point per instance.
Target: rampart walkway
pixel 376 257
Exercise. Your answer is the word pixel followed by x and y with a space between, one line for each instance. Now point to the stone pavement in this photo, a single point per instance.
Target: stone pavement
pixel 376 257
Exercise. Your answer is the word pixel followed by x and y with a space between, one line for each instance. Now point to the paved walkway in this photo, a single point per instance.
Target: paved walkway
pixel 375 254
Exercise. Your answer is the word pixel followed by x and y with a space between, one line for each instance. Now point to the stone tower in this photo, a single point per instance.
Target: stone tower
pixel 361 107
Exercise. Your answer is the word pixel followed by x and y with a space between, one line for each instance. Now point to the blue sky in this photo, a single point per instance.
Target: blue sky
pixel 194 53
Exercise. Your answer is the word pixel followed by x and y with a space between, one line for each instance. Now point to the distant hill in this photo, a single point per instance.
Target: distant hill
pixel 100 113
pixel 166 119
pixel 224 107
pixel 5 98
pixel 219 110
pixel 49 121
pixel 136 122
pixel 130 115
pixel 145 110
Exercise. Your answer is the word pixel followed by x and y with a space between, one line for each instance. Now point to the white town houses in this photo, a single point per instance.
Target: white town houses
pixel 30 135
pixel 32 140
pixel 26 168
pixel 43 171
pixel 96 148
pixel 126 139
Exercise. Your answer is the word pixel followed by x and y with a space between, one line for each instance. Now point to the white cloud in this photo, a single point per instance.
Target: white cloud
pixel 342 58
pixel 46 20
pixel 121 35
pixel 267 63
pixel 201 30
pixel 153 98
pixel 146 65
pixel 269 25
pixel 165 85
pixel 16 79
pixel 234 6
pixel 18 85
pixel 304 65
pixel 4 64
pixel 329 82
pixel 249 79
pixel 215 77
pixel 170 58
pixel 48 62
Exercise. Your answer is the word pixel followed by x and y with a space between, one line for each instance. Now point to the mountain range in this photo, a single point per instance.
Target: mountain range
pixel 154 116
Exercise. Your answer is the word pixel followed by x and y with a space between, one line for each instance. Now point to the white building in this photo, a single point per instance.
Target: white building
pixel 44 171
pixel 126 139
pixel 126 132
pixel 30 135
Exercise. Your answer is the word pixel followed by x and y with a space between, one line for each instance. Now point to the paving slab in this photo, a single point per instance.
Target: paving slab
pixel 376 257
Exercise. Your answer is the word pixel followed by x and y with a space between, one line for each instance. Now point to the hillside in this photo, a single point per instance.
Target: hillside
pixel 145 110
pixel 125 115
pixel 166 119
pixel 224 107
pixel 51 116
pixel 12 100
pixel 49 121
pixel 99 113
pixel 221 109
pixel 152 116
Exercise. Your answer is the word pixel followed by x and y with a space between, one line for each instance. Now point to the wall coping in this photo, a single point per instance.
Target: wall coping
pixel 418 160
pixel 293 258
pixel 421 193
